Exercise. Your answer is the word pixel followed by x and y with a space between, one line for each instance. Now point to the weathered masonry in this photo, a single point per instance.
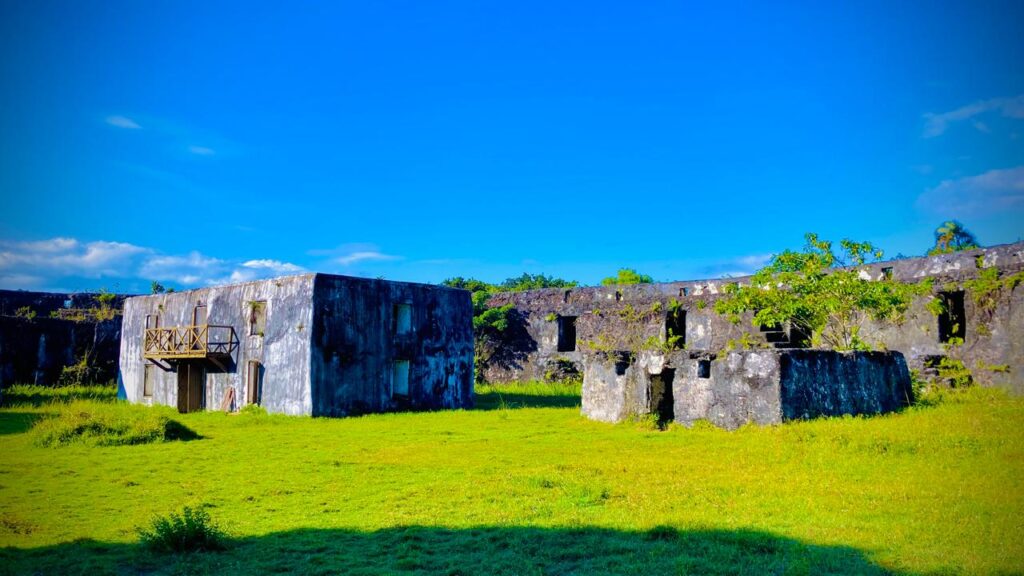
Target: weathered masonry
pixel 312 344
pixel 49 338
pixel 766 386
pixel 982 324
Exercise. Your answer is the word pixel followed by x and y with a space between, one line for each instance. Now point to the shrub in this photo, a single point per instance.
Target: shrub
pixel 113 424
pixel 190 531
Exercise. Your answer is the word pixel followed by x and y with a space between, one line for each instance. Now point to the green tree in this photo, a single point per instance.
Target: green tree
pixel 951 237
pixel 627 276
pixel 820 292
pixel 534 282
pixel 156 287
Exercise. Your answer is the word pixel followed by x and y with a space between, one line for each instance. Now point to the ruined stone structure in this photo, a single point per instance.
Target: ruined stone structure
pixel 64 331
pixel 554 331
pixel 312 344
pixel 745 387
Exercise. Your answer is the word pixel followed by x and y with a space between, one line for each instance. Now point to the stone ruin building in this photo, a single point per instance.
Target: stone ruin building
pixel 48 338
pixel 604 334
pixel 311 344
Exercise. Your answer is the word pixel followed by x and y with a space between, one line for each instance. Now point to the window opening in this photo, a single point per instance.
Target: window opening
pixel 567 333
pixel 403 318
pixel 952 320
pixel 400 378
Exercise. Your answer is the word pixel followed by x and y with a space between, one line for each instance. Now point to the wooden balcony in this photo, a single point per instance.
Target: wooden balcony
pixel 189 342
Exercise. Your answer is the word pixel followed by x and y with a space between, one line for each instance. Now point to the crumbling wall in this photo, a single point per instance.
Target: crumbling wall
pixel 36 351
pixel 611 318
pixel 755 386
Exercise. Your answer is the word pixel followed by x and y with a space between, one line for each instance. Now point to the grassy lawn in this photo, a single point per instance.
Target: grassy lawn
pixel 525 485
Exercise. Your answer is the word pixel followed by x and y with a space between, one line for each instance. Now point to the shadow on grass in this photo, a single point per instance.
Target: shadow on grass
pixel 483 550
pixel 499 400
pixel 17 422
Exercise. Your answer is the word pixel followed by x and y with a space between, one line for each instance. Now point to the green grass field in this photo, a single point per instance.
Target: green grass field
pixel 525 485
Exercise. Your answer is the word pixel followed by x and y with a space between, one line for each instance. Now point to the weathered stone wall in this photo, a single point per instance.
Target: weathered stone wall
pixel 283 349
pixel 357 338
pixel 621 317
pixel 756 386
pixel 37 351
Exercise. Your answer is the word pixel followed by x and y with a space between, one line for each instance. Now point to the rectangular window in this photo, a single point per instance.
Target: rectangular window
pixel 152 321
pixel 704 369
pixel 148 380
pixel 952 320
pixel 257 320
pixel 403 318
pixel 887 272
pixel 566 333
pixel 400 378
pixel 675 328
pixel 253 389
pixel 199 315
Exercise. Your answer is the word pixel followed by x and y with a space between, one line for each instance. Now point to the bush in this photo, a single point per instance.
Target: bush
pixel 190 531
pixel 114 424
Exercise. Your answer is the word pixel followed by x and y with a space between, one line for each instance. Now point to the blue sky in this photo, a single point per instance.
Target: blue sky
pixel 195 143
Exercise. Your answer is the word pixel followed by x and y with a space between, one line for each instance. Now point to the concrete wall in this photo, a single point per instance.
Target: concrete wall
pixel 37 351
pixel 356 341
pixel 283 349
pixel 623 317
pixel 756 386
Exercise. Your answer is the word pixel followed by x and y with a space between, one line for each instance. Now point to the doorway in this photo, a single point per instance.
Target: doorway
pixel 662 402
pixel 191 379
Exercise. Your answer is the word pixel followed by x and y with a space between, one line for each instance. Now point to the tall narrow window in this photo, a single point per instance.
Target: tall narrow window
pixel 148 380
pixel 952 320
pixel 253 389
pixel 257 320
pixel 403 318
pixel 675 328
pixel 199 315
pixel 400 378
pixel 566 333
pixel 704 369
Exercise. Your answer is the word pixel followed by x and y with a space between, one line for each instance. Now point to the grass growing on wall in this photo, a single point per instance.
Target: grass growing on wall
pixel 522 486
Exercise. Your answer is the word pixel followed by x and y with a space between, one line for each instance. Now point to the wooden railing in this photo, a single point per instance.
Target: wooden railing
pixel 200 341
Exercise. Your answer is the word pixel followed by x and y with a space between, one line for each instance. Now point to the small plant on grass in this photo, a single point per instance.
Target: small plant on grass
pixel 108 424
pixel 190 531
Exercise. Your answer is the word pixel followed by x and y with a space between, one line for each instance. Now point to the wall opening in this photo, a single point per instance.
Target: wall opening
pixel 704 369
pixel 191 386
pixel 152 321
pixel 675 328
pixel 618 295
pixel 148 380
pixel 662 403
pixel 400 378
pixel 254 382
pixel 565 296
pixel 952 320
pixel 684 292
pixel 257 317
pixel 887 272
pixel 403 318
pixel 566 333
pixel 199 315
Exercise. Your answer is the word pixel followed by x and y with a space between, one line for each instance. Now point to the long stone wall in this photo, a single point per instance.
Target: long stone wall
pixel 627 318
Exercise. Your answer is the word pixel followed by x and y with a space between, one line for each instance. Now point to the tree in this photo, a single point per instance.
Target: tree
pixel 156 288
pixel 951 237
pixel 627 276
pixel 534 282
pixel 821 293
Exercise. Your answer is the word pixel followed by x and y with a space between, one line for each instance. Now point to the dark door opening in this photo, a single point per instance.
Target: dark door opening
pixel 191 379
pixel 953 319
pixel 662 402
pixel 566 333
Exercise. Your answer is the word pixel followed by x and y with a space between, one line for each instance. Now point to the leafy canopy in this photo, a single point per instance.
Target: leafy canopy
pixel 820 292
pixel 488 321
pixel 627 276
pixel 952 237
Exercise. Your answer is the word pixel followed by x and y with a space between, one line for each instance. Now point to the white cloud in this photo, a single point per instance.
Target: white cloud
pixel 993 192
pixel 38 264
pixel 363 257
pixel 936 124
pixel 123 122
pixel 201 150
pixel 349 254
